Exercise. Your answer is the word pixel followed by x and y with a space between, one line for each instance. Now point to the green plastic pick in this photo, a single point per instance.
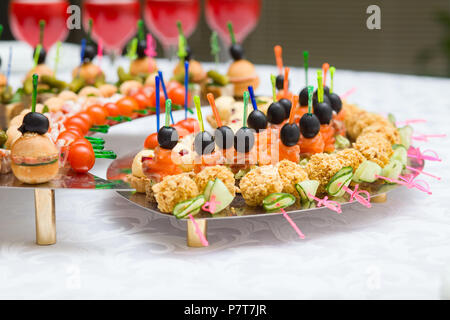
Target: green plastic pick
pixel 310 96
pixel 41 31
pixel 141 32
pixel 199 112
pixel 34 96
pixel 168 110
pixel 320 86
pixel 215 49
pixel 37 53
pixel 273 79
pixel 89 33
pixel 180 28
pixel 132 49
pixel 1 30
pixel 332 70
pixel 305 64
pixel 181 47
pixel 230 30
pixel 58 48
pixel 245 97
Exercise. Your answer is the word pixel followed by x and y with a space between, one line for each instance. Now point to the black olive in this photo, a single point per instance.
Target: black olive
pixel 257 120
pixel 188 52
pixel 34 122
pixel 42 55
pixel 303 97
pixel 287 105
pixel 204 143
pixel 244 140
pixel 224 137
pixel 326 91
pixel 323 112
pixel 309 125
pixel 237 51
pixel 141 48
pixel 279 83
pixel 168 137
pixel 90 51
pixel 336 103
pixel 290 134
pixel 325 99
pixel 276 113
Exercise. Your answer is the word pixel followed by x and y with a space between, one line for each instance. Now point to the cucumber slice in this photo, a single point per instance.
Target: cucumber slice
pixel 393 169
pixel 191 206
pixel 276 201
pixel 208 188
pixel 307 187
pixel 367 172
pixel 400 153
pixel 391 119
pixel 341 142
pixel 221 194
pixel 342 177
pixel 405 136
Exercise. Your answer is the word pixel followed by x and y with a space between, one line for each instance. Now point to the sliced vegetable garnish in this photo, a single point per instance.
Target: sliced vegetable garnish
pixel 342 177
pixel 208 188
pixel 307 187
pixel 400 153
pixel 391 119
pixel 222 195
pixel 24 164
pixel 341 142
pixel 392 170
pixel 405 136
pixel 276 201
pixel 191 206
pixel 367 172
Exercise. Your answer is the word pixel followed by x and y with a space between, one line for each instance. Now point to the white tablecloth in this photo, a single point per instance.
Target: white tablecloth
pixel 109 248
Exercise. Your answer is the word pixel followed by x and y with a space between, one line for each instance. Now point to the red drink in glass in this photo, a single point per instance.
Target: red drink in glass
pixel 114 21
pixel 161 17
pixel 25 16
pixel 244 15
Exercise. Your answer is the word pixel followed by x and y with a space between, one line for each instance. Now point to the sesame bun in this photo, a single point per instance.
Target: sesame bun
pixel 87 71
pixel 34 147
pixel 2 80
pixel 40 70
pixel 242 74
pixel 195 68
pixel 142 66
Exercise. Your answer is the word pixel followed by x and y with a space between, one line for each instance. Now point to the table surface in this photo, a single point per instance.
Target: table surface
pixel 109 248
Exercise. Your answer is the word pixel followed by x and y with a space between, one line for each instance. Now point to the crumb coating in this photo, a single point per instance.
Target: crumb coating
pixel 211 173
pixel 259 183
pixel 375 147
pixel 291 173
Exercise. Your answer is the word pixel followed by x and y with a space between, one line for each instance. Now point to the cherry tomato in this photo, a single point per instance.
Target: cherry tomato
pixel 112 109
pixel 182 131
pixel 75 130
pixel 83 141
pixel 98 114
pixel 177 96
pixel 77 122
pixel 151 142
pixel 81 157
pixel 68 137
pixel 148 90
pixel 189 124
pixel 173 84
pixel 142 99
pixel 85 116
pixel 162 100
pixel 127 105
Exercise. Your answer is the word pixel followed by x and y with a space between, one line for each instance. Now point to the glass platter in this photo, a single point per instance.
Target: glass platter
pixel 120 167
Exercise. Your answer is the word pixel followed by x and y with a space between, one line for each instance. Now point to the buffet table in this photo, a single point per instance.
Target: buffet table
pixel 109 248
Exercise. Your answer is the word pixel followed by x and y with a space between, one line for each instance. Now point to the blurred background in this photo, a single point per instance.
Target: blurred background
pixel 414 37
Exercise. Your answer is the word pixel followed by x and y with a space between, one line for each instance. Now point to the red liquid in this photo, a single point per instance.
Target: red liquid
pixel 244 15
pixel 25 16
pixel 114 21
pixel 161 17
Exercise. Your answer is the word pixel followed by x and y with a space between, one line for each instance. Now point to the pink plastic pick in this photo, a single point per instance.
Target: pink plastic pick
pixel 198 231
pixel 150 51
pixel 210 206
pixel 409 121
pixel 100 51
pixel 416 153
pixel 332 205
pixel 348 93
pixel 356 194
pixel 420 171
pixel 424 137
pixel 410 183
pixel 292 223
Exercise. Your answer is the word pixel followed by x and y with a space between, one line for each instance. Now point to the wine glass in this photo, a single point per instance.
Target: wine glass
pixel 26 14
pixel 161 18
pixel 114 22
pixel 244 14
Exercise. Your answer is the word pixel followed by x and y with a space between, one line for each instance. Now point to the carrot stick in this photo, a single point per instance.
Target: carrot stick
pixel 286 81
pixel 293 108
pixel 212 102
pixel 278 56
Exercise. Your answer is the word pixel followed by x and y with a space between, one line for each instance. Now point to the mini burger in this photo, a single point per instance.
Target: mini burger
pixel 242 74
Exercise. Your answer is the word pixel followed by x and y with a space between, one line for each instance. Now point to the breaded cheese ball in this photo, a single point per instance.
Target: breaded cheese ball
pixel 364 120
pixel 291 173
pixel 387 129
pixel 211 173
pixel 350 158
pixel 174 189
pixel 259 183
pixel 322 167
pixel 375 147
